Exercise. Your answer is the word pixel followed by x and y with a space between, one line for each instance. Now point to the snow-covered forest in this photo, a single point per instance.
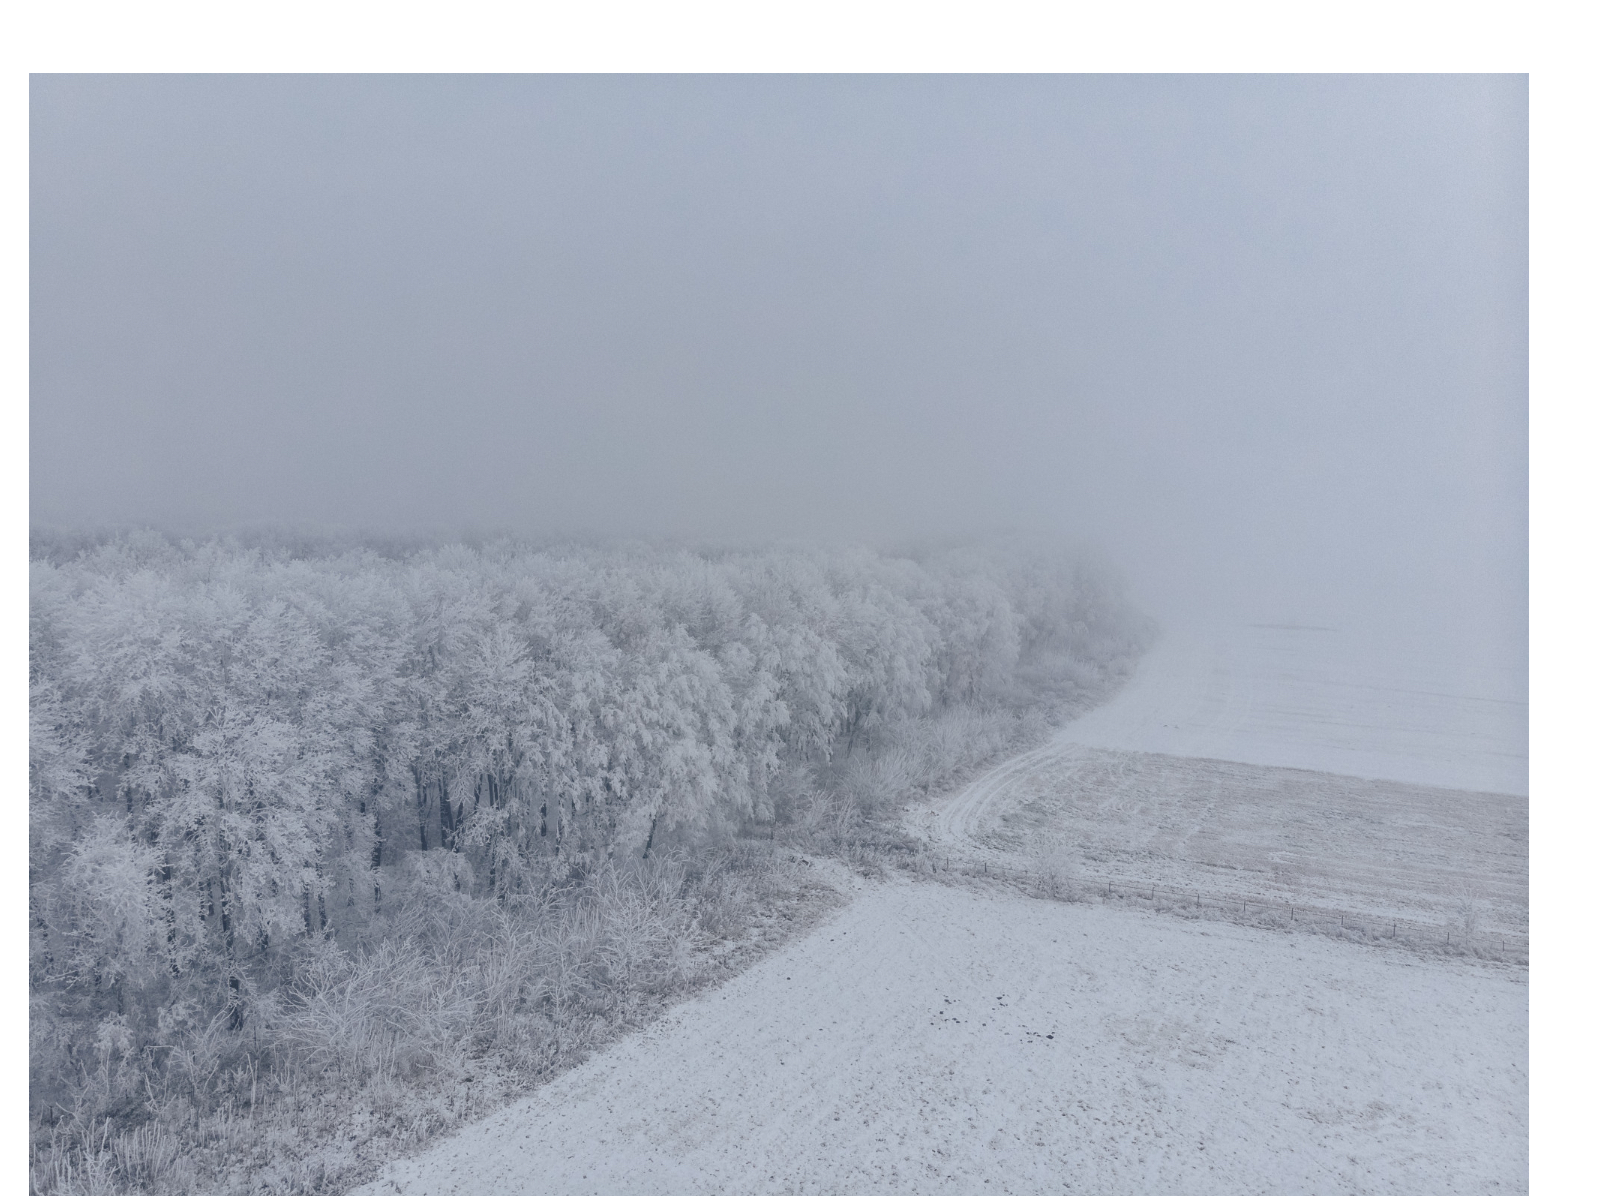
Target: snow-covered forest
pixel 310 816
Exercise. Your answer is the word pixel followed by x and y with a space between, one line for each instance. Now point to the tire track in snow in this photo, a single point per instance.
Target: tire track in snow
pixel 957 822
pixel 1133 815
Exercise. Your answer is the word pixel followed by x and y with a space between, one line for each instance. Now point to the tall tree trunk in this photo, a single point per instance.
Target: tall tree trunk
pixel 421 806
pixel 446 818
pixel 235 996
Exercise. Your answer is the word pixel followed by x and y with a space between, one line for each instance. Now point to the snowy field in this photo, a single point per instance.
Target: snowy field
pixel 1210 777
pixel 1436 865
pixel 1325 700
pixel 1379 851
pixel 934 1038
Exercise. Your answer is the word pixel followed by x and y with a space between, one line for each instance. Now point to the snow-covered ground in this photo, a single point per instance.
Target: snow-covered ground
pixel 932 1038
pixel 1322 699
pixel 1380 851
pixel 1211 775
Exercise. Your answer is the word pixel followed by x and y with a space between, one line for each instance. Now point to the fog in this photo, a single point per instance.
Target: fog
pixel 1263 340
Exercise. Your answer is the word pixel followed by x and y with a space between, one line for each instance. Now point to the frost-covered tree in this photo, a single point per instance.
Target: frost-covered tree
pixel 246 757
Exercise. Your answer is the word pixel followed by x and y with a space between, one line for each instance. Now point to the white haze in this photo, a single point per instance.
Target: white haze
pixel 1263 339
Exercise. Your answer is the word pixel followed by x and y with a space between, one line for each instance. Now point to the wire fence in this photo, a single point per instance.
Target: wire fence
pixel 1463 937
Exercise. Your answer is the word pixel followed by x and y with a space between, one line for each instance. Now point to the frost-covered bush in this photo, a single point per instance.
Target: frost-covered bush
pixel 1053 869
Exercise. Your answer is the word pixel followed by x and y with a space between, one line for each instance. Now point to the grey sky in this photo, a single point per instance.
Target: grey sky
pixel 1264 338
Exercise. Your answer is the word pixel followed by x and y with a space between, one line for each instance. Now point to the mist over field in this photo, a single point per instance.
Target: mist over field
pixel 1262 338
pixel 512 557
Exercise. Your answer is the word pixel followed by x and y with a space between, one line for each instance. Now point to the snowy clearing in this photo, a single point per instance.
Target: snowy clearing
pixel 934 1039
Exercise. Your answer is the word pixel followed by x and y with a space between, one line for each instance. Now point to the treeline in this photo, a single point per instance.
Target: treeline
pixel 244 756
